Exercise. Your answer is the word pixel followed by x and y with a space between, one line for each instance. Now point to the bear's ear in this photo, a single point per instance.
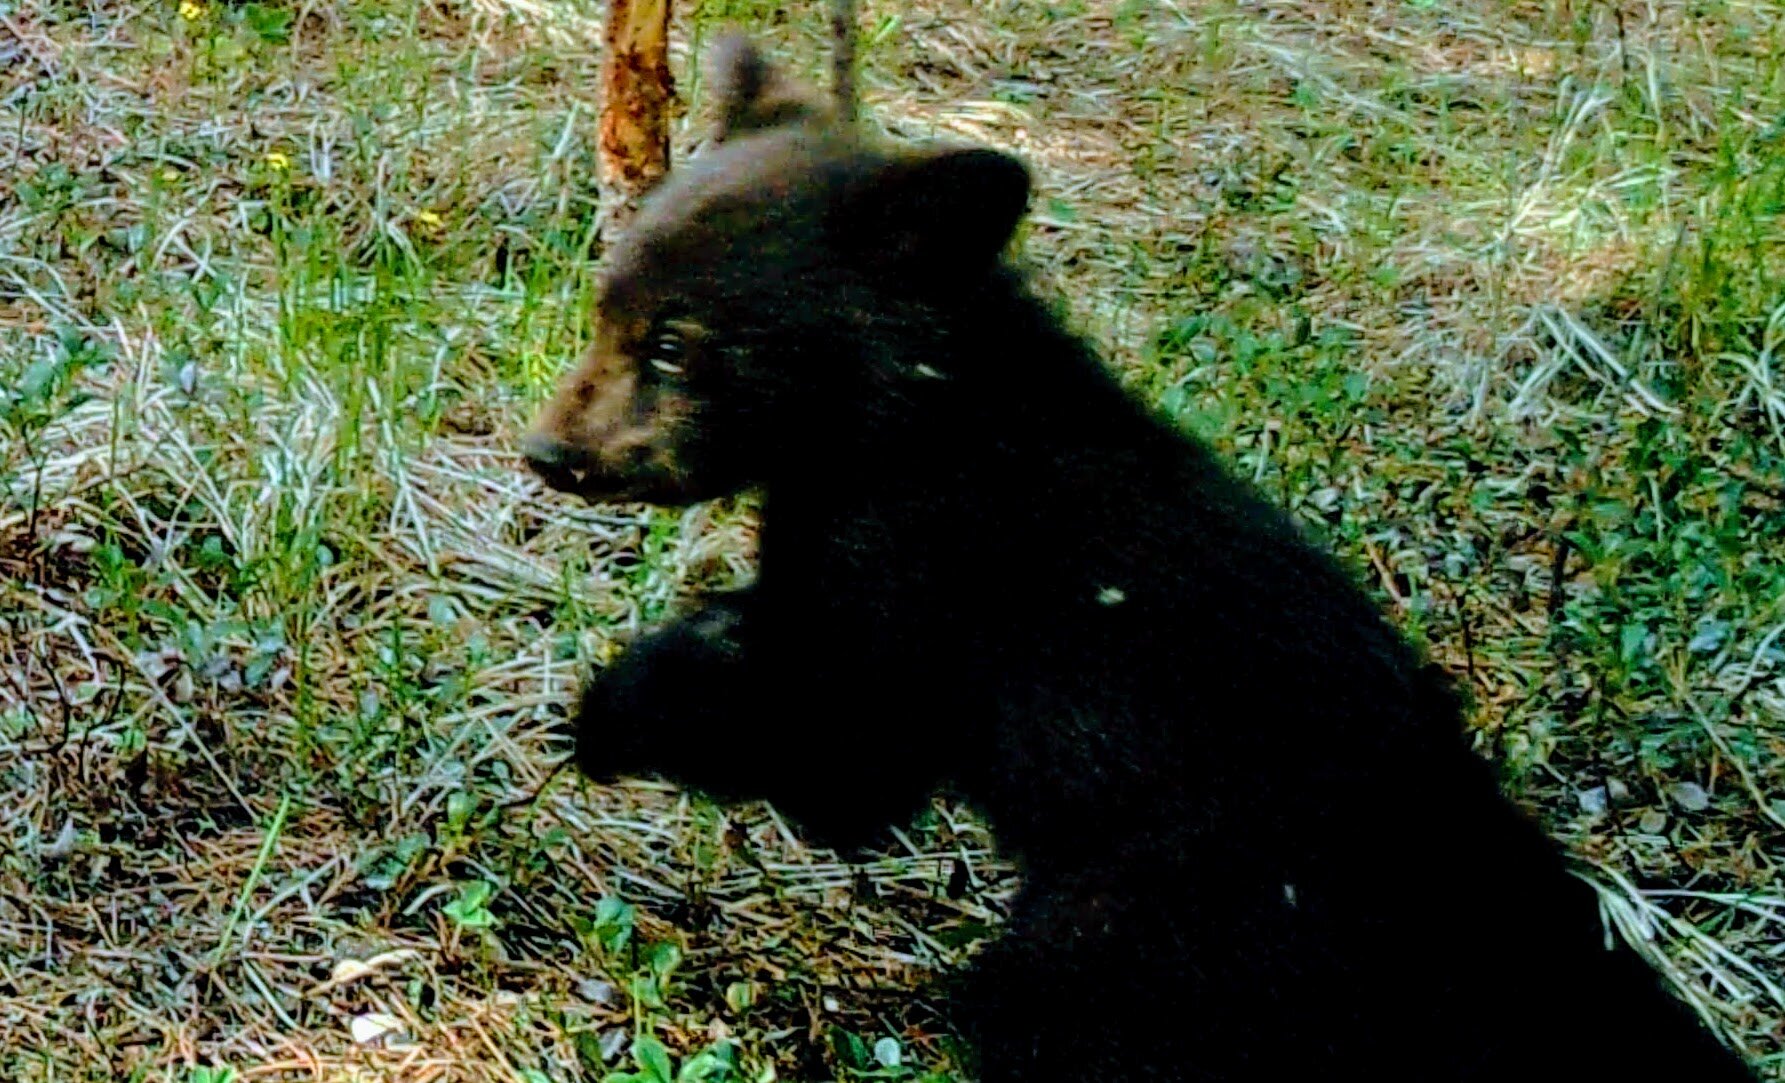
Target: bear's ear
pixel 938 211
pixel 752 93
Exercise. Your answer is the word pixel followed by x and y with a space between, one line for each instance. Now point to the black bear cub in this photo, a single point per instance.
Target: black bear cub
pixel 1255 843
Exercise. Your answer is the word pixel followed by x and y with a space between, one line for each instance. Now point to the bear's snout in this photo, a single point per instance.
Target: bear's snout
pixel 557 463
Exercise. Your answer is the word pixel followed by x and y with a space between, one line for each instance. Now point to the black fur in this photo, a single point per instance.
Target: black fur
pixel 1256 845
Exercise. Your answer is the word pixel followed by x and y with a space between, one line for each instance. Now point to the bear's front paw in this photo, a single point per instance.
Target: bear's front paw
pixel 612 738
pixel 662 699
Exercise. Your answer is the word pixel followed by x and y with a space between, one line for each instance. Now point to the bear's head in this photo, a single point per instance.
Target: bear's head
pixel 750 310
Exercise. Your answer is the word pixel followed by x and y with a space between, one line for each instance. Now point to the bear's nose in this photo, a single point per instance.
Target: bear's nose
pixel 543 451
pixel 556 462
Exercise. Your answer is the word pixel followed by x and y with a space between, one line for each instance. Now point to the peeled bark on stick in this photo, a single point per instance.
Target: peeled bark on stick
pixel 637 89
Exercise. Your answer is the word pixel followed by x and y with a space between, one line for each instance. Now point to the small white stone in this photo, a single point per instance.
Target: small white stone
pixel 597 992
pixel 378 1028
pixel 1111 596
pixel 888 1053
pixel 1690 796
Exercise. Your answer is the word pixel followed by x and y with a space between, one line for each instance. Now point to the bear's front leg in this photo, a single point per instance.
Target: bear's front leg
pixel 740 705
pixel 673 703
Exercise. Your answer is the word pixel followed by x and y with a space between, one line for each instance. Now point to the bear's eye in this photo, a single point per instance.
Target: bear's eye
pixel 667 349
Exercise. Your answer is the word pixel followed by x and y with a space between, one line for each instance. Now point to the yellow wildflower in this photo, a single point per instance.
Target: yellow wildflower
pixel 191 10
pixel 170 174
pixel 428 220
pixel 279 160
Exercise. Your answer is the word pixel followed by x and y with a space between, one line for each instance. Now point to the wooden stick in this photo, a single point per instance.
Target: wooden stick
pixel 637 89
pixel 843 59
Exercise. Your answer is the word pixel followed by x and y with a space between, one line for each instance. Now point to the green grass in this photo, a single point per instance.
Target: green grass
pixel 1489 293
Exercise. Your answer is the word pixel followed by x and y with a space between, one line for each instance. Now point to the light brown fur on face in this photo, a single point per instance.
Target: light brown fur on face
pixel 743 290
pixel 612 429
pixel 609 431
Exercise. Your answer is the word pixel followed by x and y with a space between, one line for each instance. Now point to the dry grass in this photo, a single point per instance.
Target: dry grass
pixel 1489 292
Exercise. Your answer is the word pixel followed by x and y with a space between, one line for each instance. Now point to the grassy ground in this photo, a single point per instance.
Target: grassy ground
pixel 1489 292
